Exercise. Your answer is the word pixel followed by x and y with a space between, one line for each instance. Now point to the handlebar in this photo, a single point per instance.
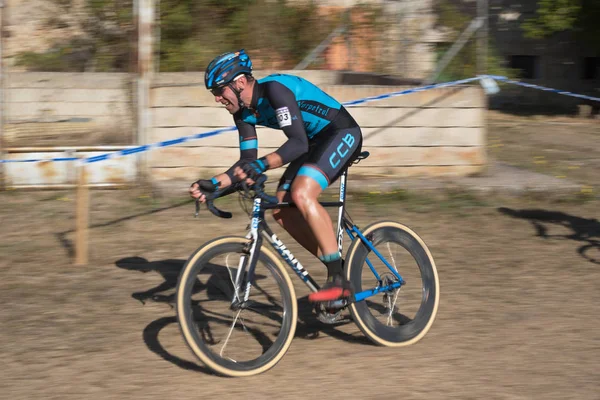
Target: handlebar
pixel 257 187
pixel 211 207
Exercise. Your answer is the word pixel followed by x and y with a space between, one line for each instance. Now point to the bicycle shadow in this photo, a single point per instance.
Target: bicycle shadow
pixel 150 336
pixel 308 326
pixel 583 229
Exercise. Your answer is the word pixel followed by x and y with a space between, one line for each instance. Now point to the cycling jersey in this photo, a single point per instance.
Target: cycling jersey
pixel 305 114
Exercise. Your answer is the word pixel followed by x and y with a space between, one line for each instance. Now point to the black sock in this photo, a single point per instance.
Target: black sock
pixel 334 265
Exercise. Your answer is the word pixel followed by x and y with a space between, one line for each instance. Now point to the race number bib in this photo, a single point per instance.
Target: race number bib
pixel 283 117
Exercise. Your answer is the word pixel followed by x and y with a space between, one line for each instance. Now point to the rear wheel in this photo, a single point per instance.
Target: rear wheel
pixel 401 316
pixel 231 336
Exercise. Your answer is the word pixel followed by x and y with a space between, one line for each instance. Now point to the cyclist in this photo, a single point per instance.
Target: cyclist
pixel 322 140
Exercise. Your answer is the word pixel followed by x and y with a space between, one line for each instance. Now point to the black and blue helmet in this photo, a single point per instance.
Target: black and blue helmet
pixel 224 68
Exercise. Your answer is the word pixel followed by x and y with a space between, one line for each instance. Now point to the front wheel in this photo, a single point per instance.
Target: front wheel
pixel 230 335
pixel 398 316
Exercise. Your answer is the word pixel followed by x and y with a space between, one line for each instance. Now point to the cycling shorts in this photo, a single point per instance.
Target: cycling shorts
pixel 328 156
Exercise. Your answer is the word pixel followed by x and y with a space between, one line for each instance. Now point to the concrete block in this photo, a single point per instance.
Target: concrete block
pixel 181 96
pixel 267 138
pixel 409 117
pixel 204 156
pixel 459 97
pixel 272 138
pixel 318 77
pixel 424 136
pixel 423 156
pixel 113 171
pixel 62 80
pixel 75 95
pixel 451 97
pixel 63 110
pixel 191 116
pixel 366 117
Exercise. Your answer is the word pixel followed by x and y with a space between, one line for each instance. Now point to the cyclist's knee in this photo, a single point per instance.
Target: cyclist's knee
pixel 303 198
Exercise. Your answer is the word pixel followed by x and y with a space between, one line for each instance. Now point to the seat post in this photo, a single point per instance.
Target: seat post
pixel 342 200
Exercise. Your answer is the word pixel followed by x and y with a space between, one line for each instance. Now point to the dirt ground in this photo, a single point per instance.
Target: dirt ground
pixel 518 316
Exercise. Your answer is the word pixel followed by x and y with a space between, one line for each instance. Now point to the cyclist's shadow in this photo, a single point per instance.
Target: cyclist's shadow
pixel 583 229
pixel 167 269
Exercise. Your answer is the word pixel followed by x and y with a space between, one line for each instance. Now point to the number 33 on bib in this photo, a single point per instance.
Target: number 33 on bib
pixel 283 117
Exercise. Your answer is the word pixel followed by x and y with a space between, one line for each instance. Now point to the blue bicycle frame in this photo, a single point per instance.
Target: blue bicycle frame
pixel 260 230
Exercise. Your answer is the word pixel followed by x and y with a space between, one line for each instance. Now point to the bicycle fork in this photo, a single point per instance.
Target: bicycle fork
pixel 249 258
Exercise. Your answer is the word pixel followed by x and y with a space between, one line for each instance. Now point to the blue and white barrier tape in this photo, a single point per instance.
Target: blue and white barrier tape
pixel 147 147
pixel 408 91
pixel 133 150
pixel 547 89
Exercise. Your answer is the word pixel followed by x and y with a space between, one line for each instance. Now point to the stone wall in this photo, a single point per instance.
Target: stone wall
pixel 68 109
pixel 431 133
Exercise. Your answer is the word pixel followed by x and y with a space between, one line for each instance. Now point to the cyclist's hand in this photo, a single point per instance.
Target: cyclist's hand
pixel 242 176
pixel 251 171
pixel 199 188
pixel 195 193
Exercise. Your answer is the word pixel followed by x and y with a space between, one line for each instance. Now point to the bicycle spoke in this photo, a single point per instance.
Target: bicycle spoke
pixel 392 259
pixel 392 306
pixel 236 290
pixel 229 335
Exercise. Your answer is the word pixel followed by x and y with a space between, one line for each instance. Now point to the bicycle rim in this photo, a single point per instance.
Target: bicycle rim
pixel 250 337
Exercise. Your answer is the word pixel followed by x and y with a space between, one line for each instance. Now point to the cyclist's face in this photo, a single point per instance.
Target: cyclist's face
pixel 225 96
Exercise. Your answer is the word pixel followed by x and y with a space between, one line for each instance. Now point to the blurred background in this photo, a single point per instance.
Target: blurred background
pixel 552 41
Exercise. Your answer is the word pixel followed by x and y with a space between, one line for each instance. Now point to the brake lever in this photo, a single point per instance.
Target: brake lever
pixel 210 198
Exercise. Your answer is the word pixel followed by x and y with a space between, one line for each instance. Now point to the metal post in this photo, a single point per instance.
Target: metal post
pixel 482 37
pixel 82 217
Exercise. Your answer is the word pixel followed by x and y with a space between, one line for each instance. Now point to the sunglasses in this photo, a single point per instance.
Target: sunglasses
pixel 218 91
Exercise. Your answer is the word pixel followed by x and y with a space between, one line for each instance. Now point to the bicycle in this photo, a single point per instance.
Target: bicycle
pixel 240 287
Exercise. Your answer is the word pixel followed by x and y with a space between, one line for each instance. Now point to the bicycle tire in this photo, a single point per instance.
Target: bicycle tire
pixel 409 331
pixel 189 322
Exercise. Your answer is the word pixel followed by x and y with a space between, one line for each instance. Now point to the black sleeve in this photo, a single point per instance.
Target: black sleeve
pixel 289 119
pixel 248 144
